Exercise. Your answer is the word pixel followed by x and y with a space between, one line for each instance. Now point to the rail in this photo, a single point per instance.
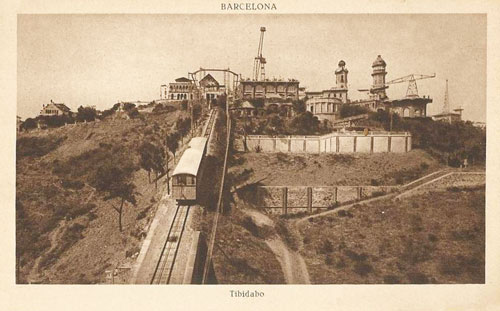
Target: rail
pixel 164 268
pixel 211 241
pixel 210 124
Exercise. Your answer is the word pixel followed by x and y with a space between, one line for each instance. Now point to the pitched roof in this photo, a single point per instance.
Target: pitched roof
pixel 209 79
pixel 63 107
pixel 182 79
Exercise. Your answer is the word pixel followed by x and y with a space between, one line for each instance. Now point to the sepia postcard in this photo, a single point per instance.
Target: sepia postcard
pixel 251 155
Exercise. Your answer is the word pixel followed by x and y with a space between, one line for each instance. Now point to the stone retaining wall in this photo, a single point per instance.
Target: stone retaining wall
pixel 285 200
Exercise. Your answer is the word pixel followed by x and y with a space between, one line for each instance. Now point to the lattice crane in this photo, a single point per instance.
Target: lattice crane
pixel 412 91
pixel 260 61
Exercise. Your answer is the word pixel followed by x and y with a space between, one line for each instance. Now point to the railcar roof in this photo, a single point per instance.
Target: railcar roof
pixel 198 143
pixel 189 162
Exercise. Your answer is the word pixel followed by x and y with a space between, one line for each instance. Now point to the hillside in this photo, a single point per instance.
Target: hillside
pixel 66 230
pixel 280 169
pixel 435 237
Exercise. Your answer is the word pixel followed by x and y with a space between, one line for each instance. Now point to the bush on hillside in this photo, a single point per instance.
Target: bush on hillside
pixel 29 124
pixel 37 146
pixel 451 143
pixel 352 110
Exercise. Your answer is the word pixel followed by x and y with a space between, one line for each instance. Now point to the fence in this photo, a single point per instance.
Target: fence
pixel 282 199
pixel 348 142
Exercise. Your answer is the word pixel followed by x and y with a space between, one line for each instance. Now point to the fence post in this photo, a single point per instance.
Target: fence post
pixel 309 200
pixel 372 141
pixel 406 142
pixel 355 140
pixel 337 144
pixel 335 195
pixel 389 143
pixel 284 200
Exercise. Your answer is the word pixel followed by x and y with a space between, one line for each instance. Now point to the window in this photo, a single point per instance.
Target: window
pixel 181 179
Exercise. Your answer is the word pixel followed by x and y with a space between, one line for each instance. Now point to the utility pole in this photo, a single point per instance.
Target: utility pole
pixel 192 119
pixel 392 113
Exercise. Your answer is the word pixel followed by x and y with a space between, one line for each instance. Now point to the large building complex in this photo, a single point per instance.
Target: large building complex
pixel 326 104
pixel 270 90
pixel 181 89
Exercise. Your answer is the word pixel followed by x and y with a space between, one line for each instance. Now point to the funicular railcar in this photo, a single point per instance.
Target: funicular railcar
pixel 187 174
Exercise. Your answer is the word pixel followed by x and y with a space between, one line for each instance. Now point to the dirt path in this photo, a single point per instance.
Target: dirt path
pixel 292 264
pixel 53 237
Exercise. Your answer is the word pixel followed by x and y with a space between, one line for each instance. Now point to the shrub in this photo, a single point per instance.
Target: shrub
pixel 378 193
pixel 72 184
pixel 326 247
pixel 363 268
pixel 344 213
pixel 333 205
pixel 417 278
pixel 37 146
pixel 462 235
pixel 432 237
pixel 329 260
pixel 391 279
pixel 374 182
pixel 355 256
pixel 352 110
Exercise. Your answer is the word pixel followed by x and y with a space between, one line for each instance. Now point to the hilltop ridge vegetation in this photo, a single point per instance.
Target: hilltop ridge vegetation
pixel 83 200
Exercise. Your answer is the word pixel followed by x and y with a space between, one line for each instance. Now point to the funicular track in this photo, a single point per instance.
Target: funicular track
pixel 164 267
pixel 163 271
pixel 210 124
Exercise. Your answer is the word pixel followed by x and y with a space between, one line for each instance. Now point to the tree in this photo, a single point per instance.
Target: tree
pixel 299 106
pixel 352 110
pixel 183 126
pixel 128 106
pixel 114 179
pixel 146 151
pixel 86 114
pixel 158 162
pixel 29 124
pixel 304 124
pixel 172 142
pixel 133 113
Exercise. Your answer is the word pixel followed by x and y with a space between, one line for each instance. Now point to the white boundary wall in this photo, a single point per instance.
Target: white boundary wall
pixel 330 143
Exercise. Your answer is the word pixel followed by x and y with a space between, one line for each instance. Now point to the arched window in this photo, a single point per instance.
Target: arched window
pixel 406 112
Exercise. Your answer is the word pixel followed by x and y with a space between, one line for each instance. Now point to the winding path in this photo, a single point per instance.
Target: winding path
pixel 292 264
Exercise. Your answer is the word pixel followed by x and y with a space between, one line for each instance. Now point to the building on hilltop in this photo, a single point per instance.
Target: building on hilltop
pixel 210 88
pixel 411 106
pixel 275 90
pixel 55 109
pixel 326 104
pixel 181 89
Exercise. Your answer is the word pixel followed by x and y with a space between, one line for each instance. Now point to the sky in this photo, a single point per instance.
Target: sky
pixel 102 59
